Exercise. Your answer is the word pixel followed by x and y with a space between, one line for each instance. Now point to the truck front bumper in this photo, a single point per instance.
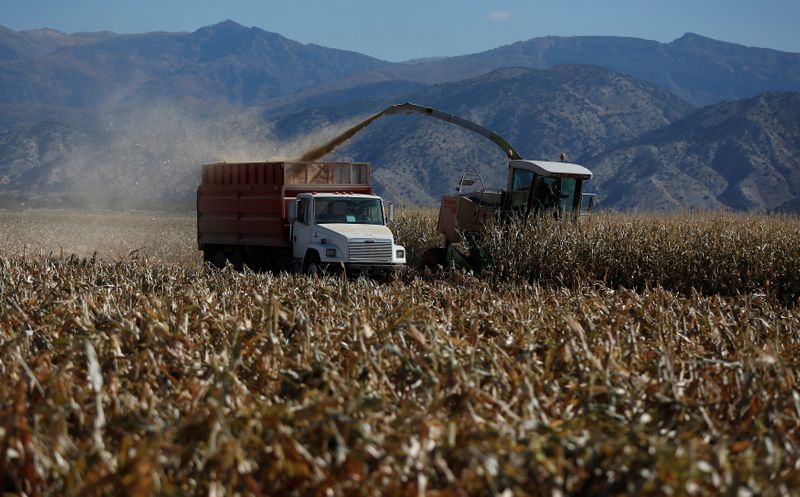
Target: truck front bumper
pixel 374 270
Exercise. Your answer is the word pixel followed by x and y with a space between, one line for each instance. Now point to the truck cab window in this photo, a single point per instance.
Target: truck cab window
pixel 368 211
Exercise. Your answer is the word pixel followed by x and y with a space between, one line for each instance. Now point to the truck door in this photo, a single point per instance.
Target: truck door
pixel 302 229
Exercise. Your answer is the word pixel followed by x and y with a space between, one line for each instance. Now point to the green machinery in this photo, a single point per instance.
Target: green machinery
pixel 532 186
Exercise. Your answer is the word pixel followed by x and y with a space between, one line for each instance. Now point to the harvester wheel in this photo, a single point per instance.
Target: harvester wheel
pixel 435 258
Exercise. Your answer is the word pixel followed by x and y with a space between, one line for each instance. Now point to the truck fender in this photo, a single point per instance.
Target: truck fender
pixel 319 250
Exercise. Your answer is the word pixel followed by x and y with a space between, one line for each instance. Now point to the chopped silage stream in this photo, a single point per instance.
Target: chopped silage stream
pixel 138 376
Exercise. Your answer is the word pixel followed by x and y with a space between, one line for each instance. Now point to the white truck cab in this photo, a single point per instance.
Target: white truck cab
pixel 343 231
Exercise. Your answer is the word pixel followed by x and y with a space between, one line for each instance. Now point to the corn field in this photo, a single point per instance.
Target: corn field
pixel 713 253
pixel 620 355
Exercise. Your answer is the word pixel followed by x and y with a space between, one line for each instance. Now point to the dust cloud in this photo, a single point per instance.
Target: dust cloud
pixel 109 180
pixel 154 153
pixel 150 157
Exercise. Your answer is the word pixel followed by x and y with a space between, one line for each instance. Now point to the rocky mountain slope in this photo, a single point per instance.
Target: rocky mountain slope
pixel 231 63
pixel 700 70
pixel 152 154
pixel 742 155
pixel 576 109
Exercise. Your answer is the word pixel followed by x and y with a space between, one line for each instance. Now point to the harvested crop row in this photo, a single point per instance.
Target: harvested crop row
pixel 106 235
pixel 136 377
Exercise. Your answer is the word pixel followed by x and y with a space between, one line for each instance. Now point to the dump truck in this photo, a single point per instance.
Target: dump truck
pixel 309 217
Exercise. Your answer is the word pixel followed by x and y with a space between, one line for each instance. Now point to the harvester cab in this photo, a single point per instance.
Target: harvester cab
pixel 533 188
pixel 542 185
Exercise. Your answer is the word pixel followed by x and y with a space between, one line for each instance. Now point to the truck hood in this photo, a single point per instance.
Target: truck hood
pixel 357 230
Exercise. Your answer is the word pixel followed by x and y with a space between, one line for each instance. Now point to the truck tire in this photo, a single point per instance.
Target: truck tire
pixel 237 260
pixel 214 256
pixel 220 259
pixel 208 254
pixel 311 265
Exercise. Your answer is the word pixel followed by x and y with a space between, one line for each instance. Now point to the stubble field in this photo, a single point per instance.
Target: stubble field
pixel 625 354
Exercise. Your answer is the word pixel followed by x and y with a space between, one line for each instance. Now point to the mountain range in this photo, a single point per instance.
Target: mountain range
pixel 225 62
pixel 125 120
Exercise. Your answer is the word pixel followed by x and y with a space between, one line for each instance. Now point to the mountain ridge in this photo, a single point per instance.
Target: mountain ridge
pixel 223 62
pixel 679 66
pixel 269 66
pixel 415 160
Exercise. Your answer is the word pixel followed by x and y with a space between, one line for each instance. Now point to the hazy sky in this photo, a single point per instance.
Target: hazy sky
pixel 405 29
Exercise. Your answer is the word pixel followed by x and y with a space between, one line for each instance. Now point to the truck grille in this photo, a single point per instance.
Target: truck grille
pixel 379 251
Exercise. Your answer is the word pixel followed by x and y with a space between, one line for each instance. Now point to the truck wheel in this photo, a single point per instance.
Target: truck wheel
pixel 214 256
pixel 219 260
pixel 312 265
pixel 237 260
pixel 208 254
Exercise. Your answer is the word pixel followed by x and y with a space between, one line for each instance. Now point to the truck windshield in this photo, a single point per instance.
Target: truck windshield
pixel 330 210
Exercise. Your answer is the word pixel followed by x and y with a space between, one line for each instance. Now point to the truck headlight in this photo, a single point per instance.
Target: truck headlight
pixel 331 252
pixel 401 254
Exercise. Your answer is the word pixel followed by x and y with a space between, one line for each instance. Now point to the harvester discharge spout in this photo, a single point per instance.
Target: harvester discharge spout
pixel 498 140
pixel 409 108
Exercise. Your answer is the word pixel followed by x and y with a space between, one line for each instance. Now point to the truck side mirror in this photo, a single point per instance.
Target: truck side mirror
pixel 292 214
pixel 389 208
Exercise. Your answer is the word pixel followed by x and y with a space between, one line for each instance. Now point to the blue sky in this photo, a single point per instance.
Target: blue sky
pixel 407 29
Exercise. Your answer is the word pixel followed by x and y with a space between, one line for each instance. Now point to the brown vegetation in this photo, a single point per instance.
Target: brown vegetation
pixel 140 375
